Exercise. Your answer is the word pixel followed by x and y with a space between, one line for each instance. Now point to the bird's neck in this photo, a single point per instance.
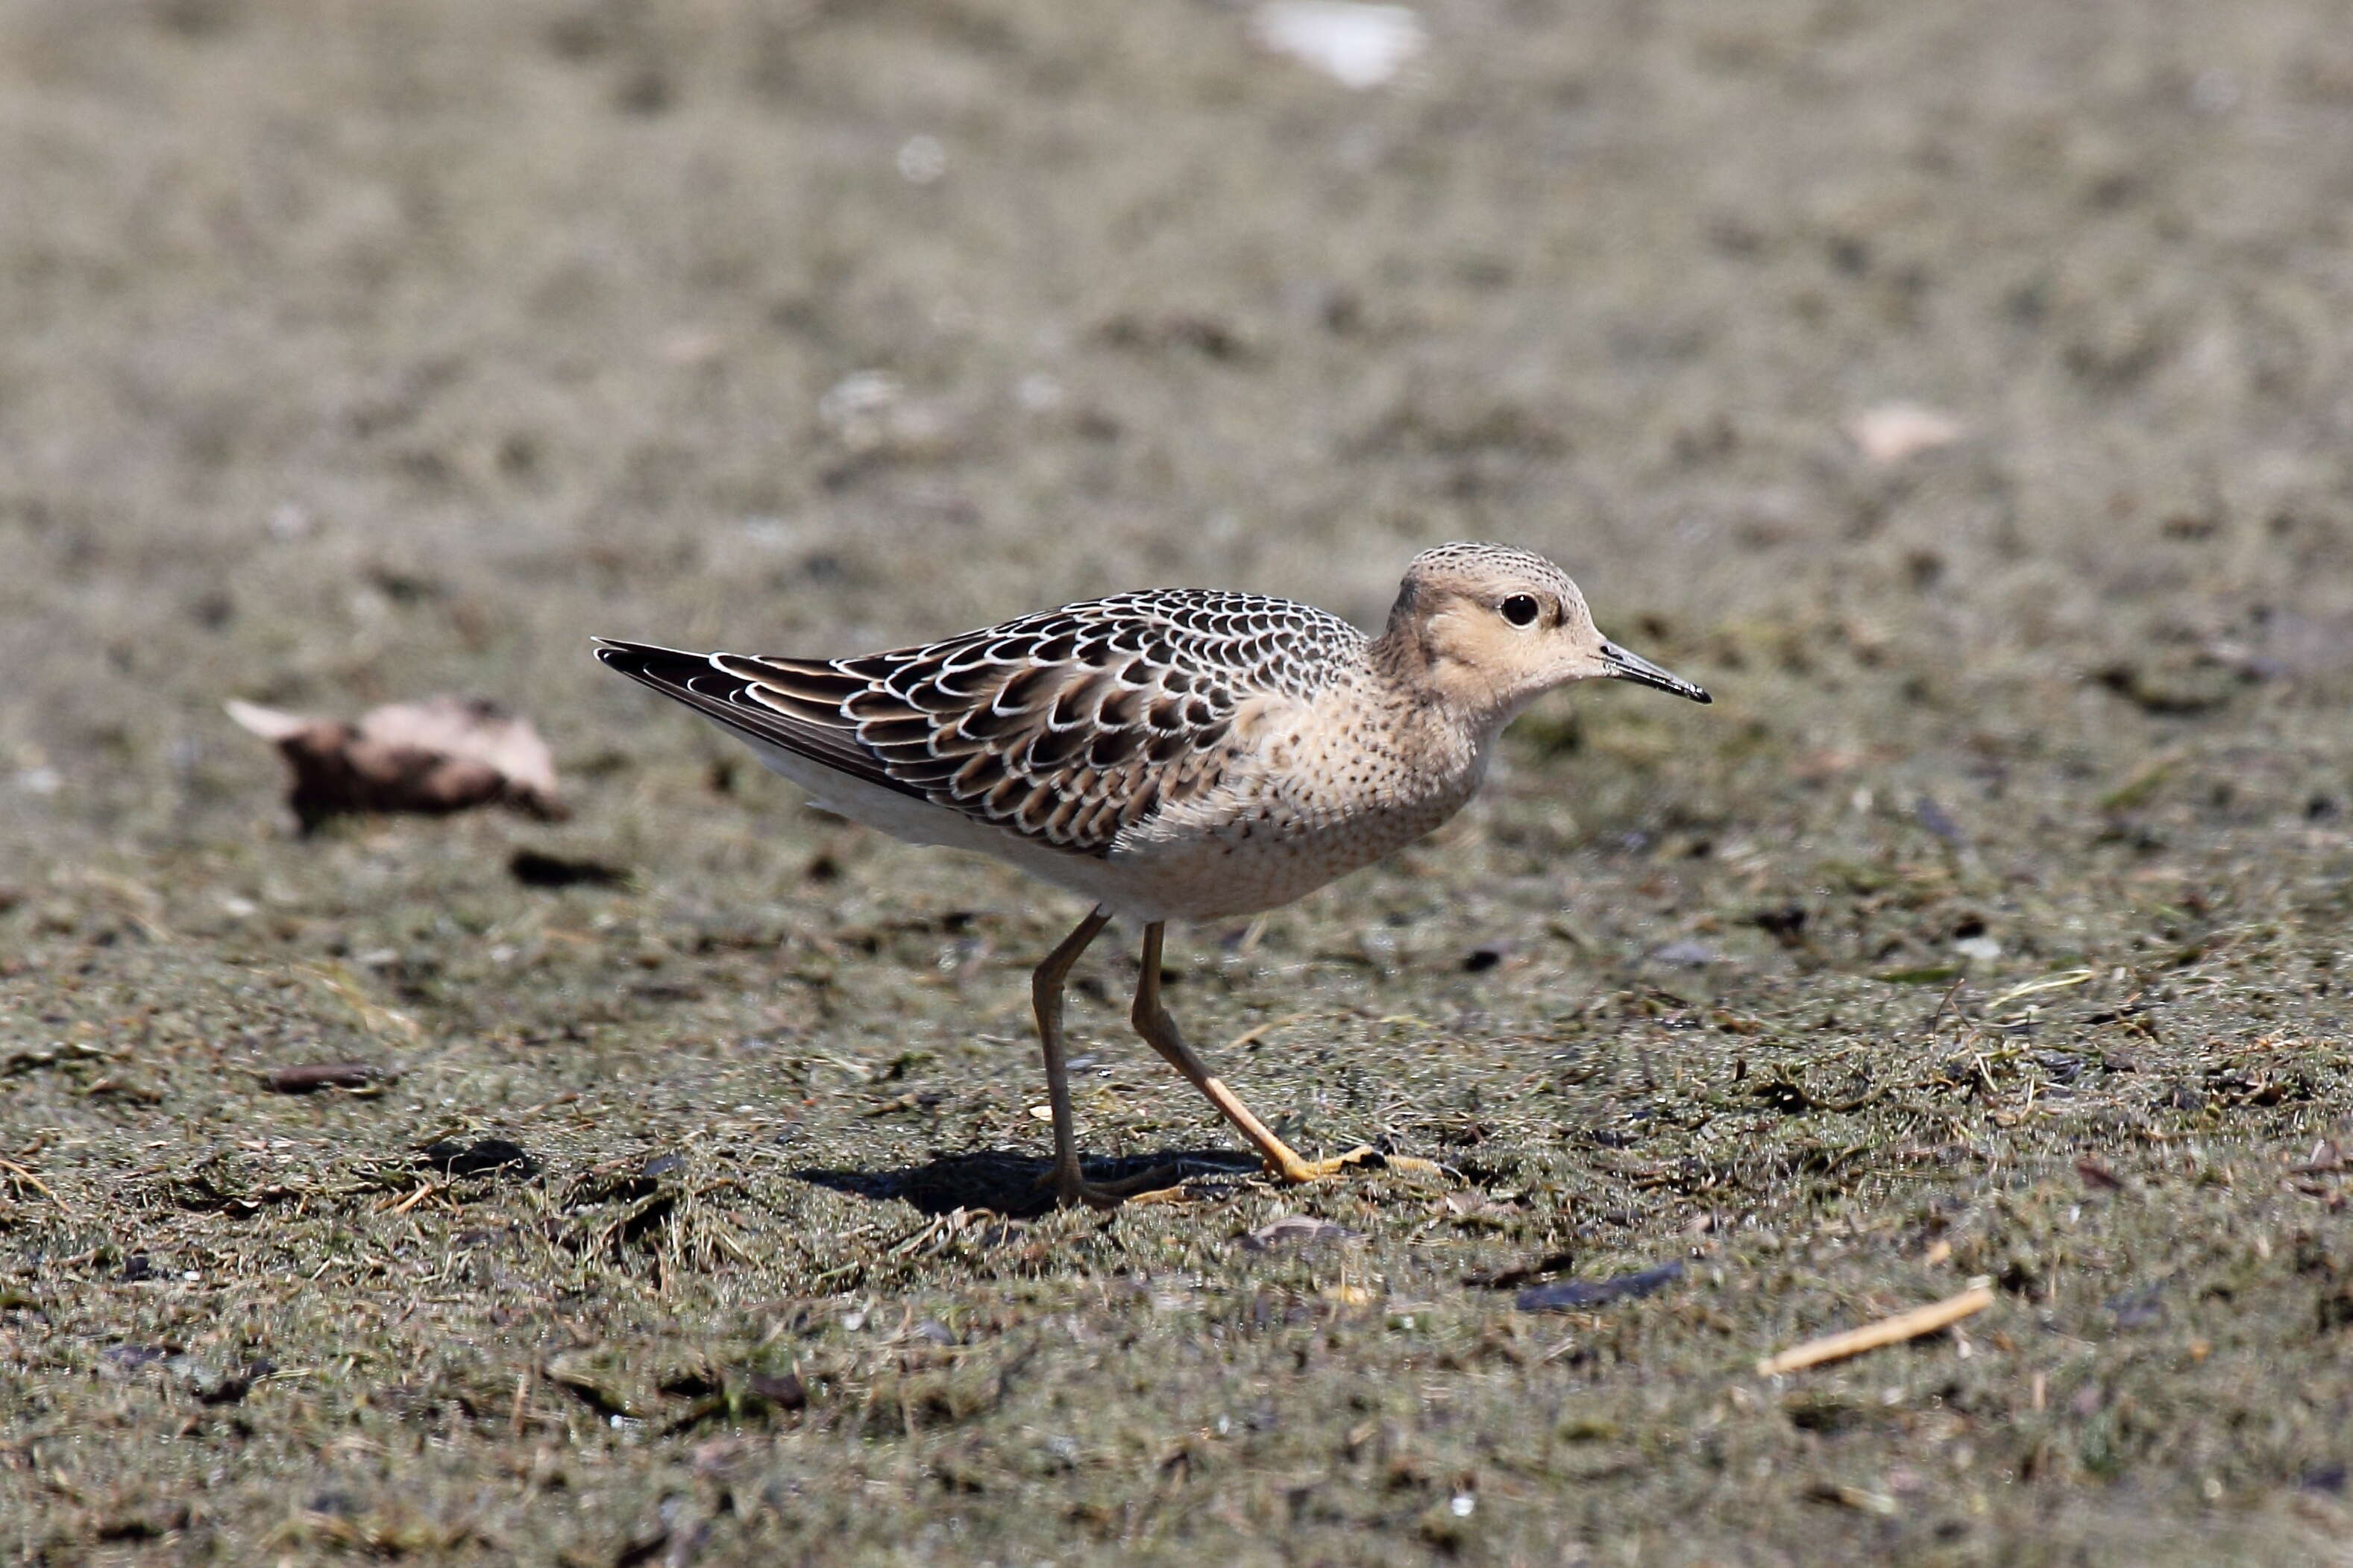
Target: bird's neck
pixel 1421 675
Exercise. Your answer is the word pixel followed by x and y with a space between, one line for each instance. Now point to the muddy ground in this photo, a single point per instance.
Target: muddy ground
pixel 1992 923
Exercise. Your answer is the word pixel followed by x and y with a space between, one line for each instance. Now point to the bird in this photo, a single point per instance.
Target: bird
pixel 1170 755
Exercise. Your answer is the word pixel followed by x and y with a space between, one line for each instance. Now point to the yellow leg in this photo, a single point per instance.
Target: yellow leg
pixel 1160 1032
pixel 1046 995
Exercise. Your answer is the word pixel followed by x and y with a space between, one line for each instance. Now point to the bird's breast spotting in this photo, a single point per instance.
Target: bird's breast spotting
pixel 1326 790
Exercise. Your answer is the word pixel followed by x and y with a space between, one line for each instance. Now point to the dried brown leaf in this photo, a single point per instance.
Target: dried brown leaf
pixel 436 755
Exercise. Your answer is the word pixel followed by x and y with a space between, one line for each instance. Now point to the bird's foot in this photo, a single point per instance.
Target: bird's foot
pixel 1364 1157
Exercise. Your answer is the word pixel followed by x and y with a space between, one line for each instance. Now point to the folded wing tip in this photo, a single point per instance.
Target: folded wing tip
pixel 621 653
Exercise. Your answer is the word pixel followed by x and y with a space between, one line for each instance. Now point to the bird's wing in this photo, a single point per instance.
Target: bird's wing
pixel 1063 728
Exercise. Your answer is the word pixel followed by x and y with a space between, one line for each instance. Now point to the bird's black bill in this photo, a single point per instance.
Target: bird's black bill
pixel 1634 667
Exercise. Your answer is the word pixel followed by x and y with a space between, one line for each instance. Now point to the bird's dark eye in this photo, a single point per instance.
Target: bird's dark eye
pixel 1520 609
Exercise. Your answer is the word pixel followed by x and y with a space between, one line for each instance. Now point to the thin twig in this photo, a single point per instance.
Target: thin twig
pixel 18 1174
pixel 1891 1330
pixel 1945 1002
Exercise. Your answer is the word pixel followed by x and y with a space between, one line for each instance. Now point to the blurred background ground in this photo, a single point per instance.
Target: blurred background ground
pixel 353 353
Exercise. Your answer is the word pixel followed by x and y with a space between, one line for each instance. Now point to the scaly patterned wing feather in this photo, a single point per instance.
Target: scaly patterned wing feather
pixel 1066 727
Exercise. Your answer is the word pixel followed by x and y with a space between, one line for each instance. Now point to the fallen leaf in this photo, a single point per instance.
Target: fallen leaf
pixel 435 756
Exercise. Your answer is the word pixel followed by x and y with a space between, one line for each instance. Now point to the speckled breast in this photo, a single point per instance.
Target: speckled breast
pixel 1330 790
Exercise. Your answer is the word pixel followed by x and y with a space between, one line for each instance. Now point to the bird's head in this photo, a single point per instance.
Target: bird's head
pixel 1491 627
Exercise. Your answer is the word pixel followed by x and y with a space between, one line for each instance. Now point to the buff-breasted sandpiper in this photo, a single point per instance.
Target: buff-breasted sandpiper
pixel 1172 754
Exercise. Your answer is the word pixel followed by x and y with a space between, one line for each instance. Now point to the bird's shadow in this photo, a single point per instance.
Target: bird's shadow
pixel 1015 1185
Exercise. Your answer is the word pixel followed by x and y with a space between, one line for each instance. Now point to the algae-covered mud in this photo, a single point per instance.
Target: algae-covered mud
pixel 1960 392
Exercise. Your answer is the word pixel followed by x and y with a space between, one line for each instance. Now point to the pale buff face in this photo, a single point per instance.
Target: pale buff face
pixel 1496 627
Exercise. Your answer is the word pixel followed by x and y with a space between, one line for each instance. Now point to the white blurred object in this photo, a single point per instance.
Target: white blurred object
pixel 1356 44
pixel 772 532
pixel 1895 431
pixel 290 522
pixel 856 396
pixel 923 160
pixel 1038 393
